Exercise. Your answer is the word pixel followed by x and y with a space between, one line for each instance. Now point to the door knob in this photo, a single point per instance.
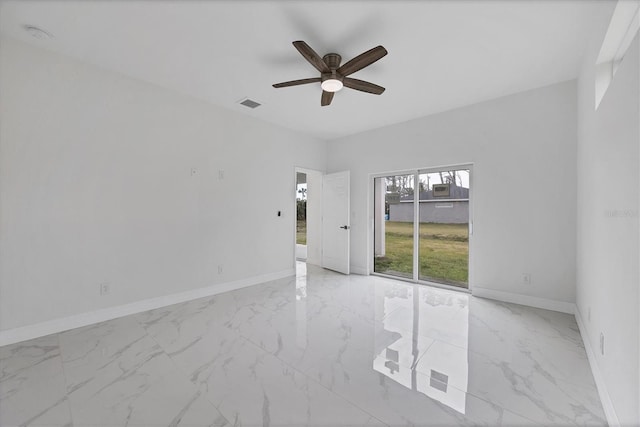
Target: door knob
pixel 346 227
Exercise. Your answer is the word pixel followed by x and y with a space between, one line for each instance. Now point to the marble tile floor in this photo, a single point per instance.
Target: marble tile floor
pixel 319 349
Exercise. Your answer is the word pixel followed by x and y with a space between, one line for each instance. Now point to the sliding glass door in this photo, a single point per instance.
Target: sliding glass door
pixel 444 227
pixel 394 238
pixel 421 226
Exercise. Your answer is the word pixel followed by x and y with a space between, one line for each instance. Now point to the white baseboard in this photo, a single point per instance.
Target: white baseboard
pixel 605 399
pixel 547 304
pixel 24 333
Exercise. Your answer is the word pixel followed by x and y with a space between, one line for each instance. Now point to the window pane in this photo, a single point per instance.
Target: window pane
pixel 444 227
pixel 393 225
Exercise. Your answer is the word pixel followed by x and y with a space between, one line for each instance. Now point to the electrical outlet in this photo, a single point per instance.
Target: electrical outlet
pixel 601 343
pixel 220 269
pixel 526 278
pixel 105 289
pixel 220 174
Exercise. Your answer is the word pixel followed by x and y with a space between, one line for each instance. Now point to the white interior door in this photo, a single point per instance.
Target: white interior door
pixel 335 222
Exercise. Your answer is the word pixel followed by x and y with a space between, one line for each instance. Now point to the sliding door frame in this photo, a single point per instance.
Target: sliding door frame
pixel 416 224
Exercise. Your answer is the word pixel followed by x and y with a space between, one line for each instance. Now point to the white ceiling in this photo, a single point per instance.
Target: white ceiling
pixel 442 55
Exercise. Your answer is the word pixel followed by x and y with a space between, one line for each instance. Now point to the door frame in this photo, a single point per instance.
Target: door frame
pixel 371 224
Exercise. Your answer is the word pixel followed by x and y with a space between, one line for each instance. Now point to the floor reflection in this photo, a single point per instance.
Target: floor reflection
pixel 317 349
pixel 407 349
pixel 301 304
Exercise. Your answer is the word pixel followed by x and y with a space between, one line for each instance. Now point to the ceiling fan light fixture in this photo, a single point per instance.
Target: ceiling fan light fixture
pixel 331 85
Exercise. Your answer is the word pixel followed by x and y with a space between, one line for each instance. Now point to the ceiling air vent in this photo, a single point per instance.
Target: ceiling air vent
pixel 250 103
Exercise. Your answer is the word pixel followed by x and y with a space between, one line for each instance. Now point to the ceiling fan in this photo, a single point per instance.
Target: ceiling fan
pixel 333 76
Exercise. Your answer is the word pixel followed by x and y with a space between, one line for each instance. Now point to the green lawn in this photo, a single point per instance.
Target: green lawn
pixel 301 232
pixel 444 252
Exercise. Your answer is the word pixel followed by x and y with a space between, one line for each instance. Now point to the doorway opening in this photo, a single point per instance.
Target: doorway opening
pixel 307 234
pixel 301 216
pixel 422 226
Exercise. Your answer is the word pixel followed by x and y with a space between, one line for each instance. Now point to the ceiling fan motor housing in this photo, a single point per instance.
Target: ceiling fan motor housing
pixel 332 60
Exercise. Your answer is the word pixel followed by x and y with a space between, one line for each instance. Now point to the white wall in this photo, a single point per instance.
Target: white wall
pixel 524 178
pixel 96 186
pixel 608 238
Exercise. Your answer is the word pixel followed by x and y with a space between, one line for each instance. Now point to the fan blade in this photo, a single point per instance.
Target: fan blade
pixel 298 82
pixel 311 56
pixel 362 60
pixel 326 98
pixel 363 86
